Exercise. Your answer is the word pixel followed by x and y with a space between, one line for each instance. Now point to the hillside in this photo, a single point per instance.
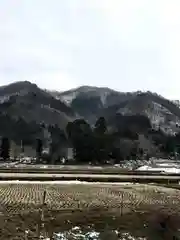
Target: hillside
pixel 26 100
pixel 106 96
pixel 92 102
pixel 70 95
pixel 161 112
pixel 24 107
pixel 89 102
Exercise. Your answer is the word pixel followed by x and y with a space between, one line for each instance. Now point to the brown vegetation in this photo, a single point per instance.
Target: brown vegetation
pixel 139 209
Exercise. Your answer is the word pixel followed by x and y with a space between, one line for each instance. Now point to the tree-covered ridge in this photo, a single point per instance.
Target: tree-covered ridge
pixel 132 137
pixel 102 123
pixel 98 144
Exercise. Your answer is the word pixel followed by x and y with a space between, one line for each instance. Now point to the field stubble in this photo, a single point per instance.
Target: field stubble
pixel 21 204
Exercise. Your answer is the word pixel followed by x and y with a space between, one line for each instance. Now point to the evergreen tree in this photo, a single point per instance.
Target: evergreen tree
pixel 39 146
pixel 101 139
pixel 22 146
pixel 81 137
pixel 100 126
pixel 5 148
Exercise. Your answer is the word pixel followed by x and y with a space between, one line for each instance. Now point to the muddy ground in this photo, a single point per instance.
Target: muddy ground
pixel 111 225
pixel 144 211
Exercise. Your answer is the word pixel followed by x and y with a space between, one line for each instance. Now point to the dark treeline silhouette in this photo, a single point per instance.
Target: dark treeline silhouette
pixel 5 147
pixel 119 138
pixel 101 143
pixel 39 147
pixel 96 144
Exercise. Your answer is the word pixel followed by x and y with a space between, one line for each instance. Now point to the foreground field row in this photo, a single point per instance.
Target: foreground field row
pixel 105 208
pixel 16 198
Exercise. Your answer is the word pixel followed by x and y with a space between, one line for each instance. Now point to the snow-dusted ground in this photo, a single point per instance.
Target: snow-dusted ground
pixel 162 165
pixel 64 182
pixel 92 235
pixel 77 233
pixel 159 165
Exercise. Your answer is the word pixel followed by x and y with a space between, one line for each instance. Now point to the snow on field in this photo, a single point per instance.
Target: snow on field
pixel 167 170
pixel 63 182
pixel 144 168
pixel 77 233
pixel 167 166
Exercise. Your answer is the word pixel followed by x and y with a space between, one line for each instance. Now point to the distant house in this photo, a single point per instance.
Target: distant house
pixel 69 153
pixel 17 152
pixel 29 151
pixel 66 152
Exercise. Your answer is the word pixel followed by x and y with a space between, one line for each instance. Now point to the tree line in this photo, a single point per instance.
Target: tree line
pixel 100 143
pixel 6 146
pixel 95 144
pixel 90 144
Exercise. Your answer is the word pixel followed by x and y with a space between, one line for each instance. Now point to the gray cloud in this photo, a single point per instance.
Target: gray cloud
pixel 126 45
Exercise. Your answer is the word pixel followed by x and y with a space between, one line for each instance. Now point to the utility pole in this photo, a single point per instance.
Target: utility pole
pixel 22 149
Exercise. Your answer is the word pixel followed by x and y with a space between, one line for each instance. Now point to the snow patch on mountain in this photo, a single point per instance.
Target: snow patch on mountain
pixel 160 117
pixel 70 95
pixel 177 103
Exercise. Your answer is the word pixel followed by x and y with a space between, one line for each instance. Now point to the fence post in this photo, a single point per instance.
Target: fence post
pixel 42 212
pixel 40 226
pixel 122 203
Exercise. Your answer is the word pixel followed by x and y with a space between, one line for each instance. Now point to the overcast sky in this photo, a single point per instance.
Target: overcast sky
pixel 127 45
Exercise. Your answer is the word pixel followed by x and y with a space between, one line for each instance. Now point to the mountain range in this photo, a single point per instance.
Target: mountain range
pixel 93 102
pixel 26 104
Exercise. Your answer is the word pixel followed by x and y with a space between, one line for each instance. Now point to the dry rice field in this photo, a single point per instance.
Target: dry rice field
pixel 21 206
pixel 19 198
